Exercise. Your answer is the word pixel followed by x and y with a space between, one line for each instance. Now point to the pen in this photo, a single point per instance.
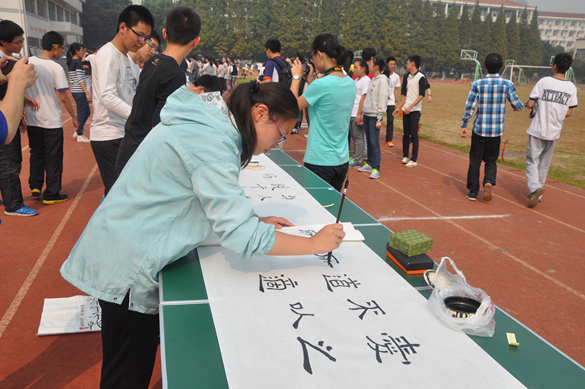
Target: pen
pixel 345 185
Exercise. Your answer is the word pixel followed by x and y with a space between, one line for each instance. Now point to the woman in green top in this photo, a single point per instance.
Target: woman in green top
pixel 330 100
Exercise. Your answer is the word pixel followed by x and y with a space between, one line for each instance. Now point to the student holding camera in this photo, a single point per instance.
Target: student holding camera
pixel 330 100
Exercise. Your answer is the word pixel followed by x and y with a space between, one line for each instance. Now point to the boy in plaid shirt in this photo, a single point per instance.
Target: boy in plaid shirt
pixel 489 94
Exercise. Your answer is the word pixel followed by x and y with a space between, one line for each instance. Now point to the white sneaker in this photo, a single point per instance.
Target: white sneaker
pixel 82 139
pixel 405 160
pixel 411 164
pixel 75 135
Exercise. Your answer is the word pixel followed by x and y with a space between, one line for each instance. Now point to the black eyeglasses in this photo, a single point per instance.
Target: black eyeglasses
pixel 141 38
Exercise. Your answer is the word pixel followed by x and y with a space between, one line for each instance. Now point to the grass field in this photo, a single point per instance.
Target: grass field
pixel 441 120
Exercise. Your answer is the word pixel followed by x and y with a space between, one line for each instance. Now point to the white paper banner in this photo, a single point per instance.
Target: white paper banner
pixel 70 315
pixel 294 322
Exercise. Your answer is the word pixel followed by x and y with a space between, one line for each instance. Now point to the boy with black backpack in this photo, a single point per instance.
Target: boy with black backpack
pixel 276 67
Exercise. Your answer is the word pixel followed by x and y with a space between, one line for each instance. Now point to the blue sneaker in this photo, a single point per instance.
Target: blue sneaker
pixel 22 211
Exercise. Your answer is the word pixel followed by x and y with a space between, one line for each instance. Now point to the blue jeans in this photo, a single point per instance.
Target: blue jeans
pixel 373 140
pixel 82 110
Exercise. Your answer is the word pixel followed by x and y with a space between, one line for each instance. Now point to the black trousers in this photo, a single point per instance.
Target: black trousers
pixel 106 153
pixel 129 341
pixel 10 166
pixel 46 158
pixel 333 175
pixel 389 123
pixel 484 149
pixel 410 124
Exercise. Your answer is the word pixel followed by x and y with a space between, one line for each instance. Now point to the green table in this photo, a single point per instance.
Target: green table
pixel 190 350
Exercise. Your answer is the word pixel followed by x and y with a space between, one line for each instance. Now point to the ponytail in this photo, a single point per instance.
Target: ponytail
pixel 328 45
pixel 276 96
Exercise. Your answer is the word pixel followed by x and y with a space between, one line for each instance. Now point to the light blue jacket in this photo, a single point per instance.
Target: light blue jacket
pixel 180 185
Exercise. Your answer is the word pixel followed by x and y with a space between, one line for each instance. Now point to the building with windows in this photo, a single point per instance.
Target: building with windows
pixel 556 28
pixel 36 17
pixel 561 29
pixel 579 52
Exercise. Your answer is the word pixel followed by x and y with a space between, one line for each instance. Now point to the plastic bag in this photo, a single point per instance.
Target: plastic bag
pixel 481 323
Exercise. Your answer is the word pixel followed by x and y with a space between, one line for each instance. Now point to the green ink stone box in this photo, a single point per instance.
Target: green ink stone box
pixel 411 242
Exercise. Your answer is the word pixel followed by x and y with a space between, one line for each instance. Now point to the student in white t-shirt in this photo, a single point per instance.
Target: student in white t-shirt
pixel 552 100
pixel 114 87
pixel 393 93
pixel 356 122
pixel 44 125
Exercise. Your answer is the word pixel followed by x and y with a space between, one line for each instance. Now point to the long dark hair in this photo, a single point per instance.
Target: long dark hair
pixel 328 45
pixel 276 96
pixel 74 48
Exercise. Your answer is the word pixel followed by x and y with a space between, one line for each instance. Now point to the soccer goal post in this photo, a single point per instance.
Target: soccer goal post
pixel 471 55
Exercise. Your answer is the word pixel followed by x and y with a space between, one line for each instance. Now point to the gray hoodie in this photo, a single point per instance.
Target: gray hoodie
pixel 377 98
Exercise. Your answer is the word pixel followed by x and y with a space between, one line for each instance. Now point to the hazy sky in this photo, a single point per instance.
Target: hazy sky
pixel 573 6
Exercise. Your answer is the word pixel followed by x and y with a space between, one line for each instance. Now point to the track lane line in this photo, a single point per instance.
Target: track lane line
pixel 489 244
pixel 515 203
pixel 11 311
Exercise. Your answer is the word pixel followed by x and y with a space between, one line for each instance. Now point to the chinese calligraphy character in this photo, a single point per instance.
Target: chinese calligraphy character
pixel 375 308
pixel 298 306
pixel 262 198
pixel 392 346
pixel 325 258
pixel 288 197
pixel 279 186
pixel 258 186
pixel 308 232
pixel 337 282
pixel 94 317
pixel 269 175
pixel 306 363
pixel 275 283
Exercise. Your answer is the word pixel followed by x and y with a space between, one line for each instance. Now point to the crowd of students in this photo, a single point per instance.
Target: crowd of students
pixel 170 152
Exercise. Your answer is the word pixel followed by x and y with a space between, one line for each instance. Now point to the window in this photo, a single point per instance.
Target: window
pixel 59 14
pixel 555 32
pixel 52 13
pixel 548 32
pixel 580 54
pixel 42 8
pixel 30 5
pixel 539 22
pixel 573 23
pixel 570 44
pixel 557 23
pixel 74 17
pixel 572 33
pixel 34 42
pixel 67 16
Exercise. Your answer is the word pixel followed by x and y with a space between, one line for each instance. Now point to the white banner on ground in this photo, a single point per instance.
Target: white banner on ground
pixel 70 315
pixel 295 322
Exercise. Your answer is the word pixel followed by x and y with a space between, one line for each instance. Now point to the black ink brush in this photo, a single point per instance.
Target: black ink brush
pixel 345 185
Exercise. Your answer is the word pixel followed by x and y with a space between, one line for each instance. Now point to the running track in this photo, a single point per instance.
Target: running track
pixel 529 261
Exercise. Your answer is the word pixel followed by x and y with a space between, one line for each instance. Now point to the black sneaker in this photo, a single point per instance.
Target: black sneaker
pixel 534 196
pixel 471 196
pixel 55 199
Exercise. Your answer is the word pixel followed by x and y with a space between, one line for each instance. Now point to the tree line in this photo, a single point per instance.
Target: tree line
pixel 398 27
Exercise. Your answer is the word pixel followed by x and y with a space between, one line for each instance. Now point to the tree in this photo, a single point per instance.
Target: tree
pixel 465 28
pixel 532 47
pixel 451 38
pixel 548 51
pixel 485 43
pixel 159 9
pixel 394 37
pixel 416 34
pixel 429 48
pixel 360 30
pixel 513 36
pixel 499 42
pixel 523 26
pixel 476 38
pixel 99 20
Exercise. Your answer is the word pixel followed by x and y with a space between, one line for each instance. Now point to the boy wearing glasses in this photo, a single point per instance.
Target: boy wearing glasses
pixel 45 126
pixel 11 41
pixel 160 77
pixel 114 87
